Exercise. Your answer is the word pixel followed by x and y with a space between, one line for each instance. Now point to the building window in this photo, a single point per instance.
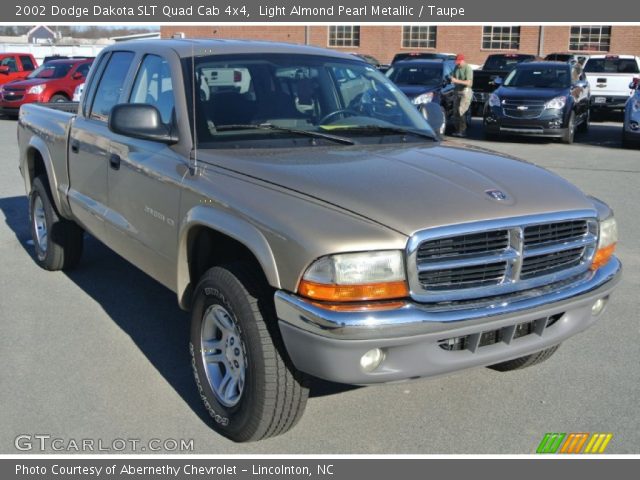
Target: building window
pixel 595 38
pixel 344 36
pixel 500 38
pixel 419 36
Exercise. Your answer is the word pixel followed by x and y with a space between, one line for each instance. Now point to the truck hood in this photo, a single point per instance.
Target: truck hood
pixel 408 187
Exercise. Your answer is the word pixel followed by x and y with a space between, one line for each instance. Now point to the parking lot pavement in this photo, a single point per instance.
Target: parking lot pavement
pixel 101 352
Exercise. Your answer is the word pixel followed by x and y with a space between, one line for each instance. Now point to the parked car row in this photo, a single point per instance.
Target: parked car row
pixel 519 94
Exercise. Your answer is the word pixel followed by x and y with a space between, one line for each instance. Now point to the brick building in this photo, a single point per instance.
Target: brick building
pixel 476 42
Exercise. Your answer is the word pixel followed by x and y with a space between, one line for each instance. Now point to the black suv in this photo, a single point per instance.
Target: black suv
pixel 539 99
pixel 424 82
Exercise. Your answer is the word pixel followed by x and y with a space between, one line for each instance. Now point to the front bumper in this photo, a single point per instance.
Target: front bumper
pixel 11 106
pixel 551 124
pixel 329 344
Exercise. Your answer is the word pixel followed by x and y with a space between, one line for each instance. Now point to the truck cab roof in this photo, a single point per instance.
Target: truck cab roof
pixel 186 48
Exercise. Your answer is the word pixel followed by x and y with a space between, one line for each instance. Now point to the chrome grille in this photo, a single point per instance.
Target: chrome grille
pixel 499 257
pixel 522 108
pixel 464 245
pixel 463 277
pixel 536 235
pixel 551 262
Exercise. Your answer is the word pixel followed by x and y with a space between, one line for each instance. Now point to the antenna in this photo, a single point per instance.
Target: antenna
pixel 193 108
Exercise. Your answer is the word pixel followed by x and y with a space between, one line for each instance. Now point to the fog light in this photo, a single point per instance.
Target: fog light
pixel 372 359
pixel 634 125
pixel 598 306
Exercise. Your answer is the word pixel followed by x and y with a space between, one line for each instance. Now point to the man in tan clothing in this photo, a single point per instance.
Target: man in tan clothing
pixel 462 78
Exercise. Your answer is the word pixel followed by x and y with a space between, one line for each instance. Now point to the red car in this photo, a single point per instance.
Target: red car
pixel 55 81
pixel 16 66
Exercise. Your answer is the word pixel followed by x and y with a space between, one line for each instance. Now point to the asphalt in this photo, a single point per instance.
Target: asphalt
pixel 101 352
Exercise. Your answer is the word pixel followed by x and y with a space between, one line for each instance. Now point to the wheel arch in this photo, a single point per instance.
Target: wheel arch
pixel 210 237
pixel 37 161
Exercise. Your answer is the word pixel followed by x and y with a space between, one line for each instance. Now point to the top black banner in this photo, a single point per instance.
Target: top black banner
pixel 312 11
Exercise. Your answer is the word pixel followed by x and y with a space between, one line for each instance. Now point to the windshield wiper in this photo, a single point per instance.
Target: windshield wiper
pixel 276 128
pixel 388 129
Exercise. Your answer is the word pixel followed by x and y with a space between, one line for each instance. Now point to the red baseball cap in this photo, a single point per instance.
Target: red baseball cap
pixel 459 58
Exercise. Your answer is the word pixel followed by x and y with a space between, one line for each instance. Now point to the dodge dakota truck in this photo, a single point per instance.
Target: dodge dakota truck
pixel 311 222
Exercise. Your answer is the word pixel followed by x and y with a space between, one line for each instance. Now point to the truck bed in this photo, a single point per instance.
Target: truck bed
pixel 69 107
pixel 48 125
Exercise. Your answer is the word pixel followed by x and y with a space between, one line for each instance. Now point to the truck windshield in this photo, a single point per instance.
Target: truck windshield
pixel 428 75
pixel 51 70
pixel 548 77
pixel 311 93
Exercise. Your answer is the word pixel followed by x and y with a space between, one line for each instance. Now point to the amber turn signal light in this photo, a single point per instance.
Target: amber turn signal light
pixel 353 293
pixel 602 256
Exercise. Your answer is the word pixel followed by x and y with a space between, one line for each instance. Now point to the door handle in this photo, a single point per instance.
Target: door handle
pixel 114 161
pixel 75 146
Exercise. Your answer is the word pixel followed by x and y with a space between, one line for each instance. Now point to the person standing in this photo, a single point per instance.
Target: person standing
pixel 462 79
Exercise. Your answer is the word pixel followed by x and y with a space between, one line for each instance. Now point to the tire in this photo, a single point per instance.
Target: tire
pixel 492 137
pixel 57 98
pixel 570 134
pixel 627 142
pixel 234 316
pixel 586 123
pixel 57 242
pixel 526 361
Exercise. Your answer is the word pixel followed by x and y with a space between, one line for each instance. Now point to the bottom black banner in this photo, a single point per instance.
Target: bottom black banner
pixel 337 468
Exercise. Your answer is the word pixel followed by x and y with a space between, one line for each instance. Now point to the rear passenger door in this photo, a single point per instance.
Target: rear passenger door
pixel 89 144
pixel 144 181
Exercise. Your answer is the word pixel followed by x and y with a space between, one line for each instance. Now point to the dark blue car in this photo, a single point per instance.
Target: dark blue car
pixel 544 99
pixel 426 81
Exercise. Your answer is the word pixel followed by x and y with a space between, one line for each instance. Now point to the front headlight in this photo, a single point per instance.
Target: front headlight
pixel 36 90
pixel 422 99
pixel 635 105
pixel 558 102
pixel 494 100
pixel 607 240
pixel 354 277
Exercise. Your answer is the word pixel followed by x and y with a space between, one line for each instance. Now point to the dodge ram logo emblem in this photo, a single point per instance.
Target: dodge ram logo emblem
pixel 496 194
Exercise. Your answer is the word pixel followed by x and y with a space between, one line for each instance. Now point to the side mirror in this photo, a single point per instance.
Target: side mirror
pixel 581 84
pixel 140 120
pixel 4 70
pixel 432 112
pixel 77 76
pixel 497 81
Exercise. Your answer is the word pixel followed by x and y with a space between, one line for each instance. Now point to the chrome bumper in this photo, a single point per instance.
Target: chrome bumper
pixel 329 344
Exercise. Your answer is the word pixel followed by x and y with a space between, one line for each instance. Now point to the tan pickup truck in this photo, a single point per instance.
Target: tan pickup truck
pixel 306 214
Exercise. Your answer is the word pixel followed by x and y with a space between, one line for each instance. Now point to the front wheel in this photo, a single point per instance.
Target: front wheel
pixel 586 123
pixel 243 374
pixel 570 132
pixel 58 98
